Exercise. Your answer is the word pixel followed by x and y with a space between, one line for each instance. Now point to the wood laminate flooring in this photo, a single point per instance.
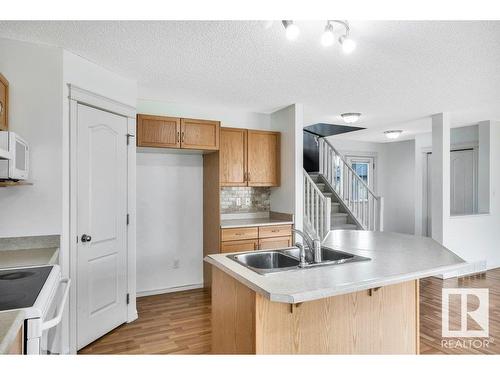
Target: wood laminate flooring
pixel 179 323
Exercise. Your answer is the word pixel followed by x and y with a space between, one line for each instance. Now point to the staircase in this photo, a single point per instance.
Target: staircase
pixel 337 198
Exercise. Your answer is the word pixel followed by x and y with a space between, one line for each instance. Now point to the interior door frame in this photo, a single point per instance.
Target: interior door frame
pixel 78 96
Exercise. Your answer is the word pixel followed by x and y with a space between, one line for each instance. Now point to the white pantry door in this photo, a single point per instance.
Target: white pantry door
pixel 102 223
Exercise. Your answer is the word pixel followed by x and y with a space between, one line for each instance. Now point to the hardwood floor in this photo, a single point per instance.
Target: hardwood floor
pixel 175 323
pixel 179 323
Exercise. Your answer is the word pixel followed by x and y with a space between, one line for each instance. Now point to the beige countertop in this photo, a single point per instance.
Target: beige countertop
pixel 395 258
pixel 10 323
pixel 256 222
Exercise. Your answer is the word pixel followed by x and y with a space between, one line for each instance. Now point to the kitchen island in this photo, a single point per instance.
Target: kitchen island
pixel 367 307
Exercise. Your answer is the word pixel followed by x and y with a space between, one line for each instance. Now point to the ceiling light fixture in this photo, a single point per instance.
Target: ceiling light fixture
pixel 348 45
pixel 350 117
pixel 328 38
pixel 393 134
pixel 292 31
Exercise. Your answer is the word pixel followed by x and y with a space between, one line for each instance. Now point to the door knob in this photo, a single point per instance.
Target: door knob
pixel 86 238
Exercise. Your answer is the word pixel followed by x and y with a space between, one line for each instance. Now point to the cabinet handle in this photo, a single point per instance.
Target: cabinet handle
pixel 248 176
pixel 182 138
pixel 245 176
pixel 178 137
pixel 275 230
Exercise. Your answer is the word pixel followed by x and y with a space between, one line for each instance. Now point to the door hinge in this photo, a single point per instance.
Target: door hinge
pixel 128 219
pixel 76 239
pixel 128 138
pixel 128 298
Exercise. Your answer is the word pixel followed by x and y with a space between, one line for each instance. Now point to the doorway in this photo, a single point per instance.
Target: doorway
pixel 463 185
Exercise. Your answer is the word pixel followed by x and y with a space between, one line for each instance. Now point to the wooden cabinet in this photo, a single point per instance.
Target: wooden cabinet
pixel 237 246
pixel 158 131
pixel 255 238
pixel 263 167
pixel 174 132
pixel 233 157
pixel 199 134
pixel 275 243
pixel 249 158
pixel 4 103
pixel 243 233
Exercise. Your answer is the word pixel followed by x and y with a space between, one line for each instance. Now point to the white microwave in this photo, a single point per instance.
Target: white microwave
pixel 16 165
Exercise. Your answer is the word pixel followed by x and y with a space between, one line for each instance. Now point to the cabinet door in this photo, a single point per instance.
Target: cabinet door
pixel 275 243
pixel 200 134
pixel 237 246
pixel 158 131
pixel 233 157
pixel 263 158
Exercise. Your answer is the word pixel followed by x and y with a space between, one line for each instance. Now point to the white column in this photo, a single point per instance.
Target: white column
pixel 483 171
pixel 440 184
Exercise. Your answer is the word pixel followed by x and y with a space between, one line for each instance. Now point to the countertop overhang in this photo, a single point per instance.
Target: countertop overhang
pixel 395 258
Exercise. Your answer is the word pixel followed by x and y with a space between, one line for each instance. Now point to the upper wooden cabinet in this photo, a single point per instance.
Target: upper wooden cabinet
pixel 200 134
pixel 4 103
pixel 158 131
pixel 233 157
pixel 263 165
pixel 249 157
pixel 174 132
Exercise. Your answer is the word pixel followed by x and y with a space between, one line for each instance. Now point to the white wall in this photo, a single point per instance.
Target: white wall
pixel 288 198
pixel 398 186
pixel 35 107
pixel 169 221
pixel 228 117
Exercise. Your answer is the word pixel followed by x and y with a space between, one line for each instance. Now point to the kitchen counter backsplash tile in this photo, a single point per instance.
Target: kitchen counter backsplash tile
pixel 260 199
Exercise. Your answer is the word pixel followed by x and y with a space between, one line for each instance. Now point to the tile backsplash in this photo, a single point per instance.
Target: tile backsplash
pixel 259 198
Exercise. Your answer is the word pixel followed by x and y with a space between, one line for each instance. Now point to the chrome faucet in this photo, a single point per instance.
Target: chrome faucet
pixel 314 246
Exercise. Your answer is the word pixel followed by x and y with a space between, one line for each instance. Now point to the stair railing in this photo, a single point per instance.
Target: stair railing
pixel 365 206
pixel 317 208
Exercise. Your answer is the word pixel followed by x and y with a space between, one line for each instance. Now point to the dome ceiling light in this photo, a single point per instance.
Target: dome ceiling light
pixel 393 134
pixel 348 45
pixel 350 117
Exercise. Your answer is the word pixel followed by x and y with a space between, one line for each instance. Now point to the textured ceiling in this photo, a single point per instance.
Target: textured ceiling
pixel 402 71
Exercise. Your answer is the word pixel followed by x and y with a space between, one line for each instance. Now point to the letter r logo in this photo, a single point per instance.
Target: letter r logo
pixel 479 315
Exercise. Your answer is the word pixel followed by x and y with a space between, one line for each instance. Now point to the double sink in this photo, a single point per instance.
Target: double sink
pixel 264 262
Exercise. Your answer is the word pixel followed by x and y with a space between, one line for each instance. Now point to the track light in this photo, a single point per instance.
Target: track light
pixel 348 45
pixel 292 31
pixel 327 38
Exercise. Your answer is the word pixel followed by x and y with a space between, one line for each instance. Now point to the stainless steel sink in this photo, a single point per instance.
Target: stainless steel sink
pixel 264 262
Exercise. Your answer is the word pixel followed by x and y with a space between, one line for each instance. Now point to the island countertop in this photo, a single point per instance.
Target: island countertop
pixel 395 258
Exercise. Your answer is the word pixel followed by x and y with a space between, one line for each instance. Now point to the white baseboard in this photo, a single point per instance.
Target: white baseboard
pixel 169 290
pixel 467 269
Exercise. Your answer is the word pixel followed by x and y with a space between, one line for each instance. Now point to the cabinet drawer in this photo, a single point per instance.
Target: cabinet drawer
pixel 245 233
pixel 275 231
pixel 275 243
pixel 241 245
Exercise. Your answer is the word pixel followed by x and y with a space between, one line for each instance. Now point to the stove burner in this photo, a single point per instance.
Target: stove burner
pixel 16 275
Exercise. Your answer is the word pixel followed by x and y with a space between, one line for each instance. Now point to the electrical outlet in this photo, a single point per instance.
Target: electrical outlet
pixel 176 263
pixel 238 202
pixel 247 201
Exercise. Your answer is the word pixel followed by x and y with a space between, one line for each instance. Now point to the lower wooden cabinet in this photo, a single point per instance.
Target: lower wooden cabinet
pixel 275 243
pixel 255 238
pixel 237 246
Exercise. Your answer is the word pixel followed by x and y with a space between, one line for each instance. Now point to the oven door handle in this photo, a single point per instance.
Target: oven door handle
pixel 60 309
